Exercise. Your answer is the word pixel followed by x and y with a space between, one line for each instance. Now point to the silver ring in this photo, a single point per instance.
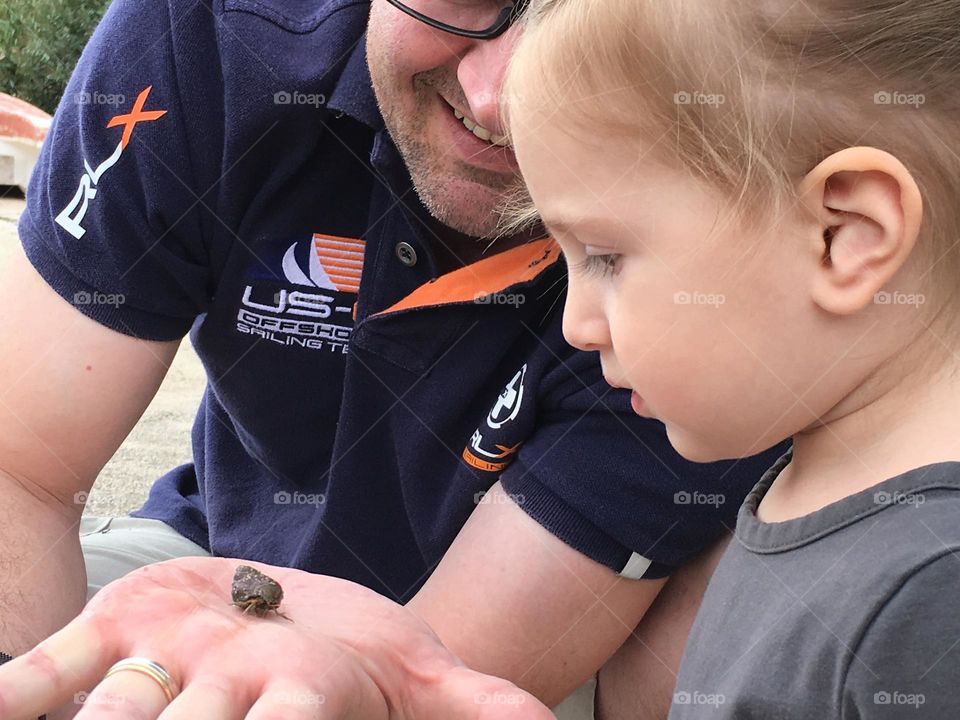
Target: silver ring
pixel 151 669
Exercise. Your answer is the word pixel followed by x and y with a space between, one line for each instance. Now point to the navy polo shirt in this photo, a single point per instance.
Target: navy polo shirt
pixel 222 169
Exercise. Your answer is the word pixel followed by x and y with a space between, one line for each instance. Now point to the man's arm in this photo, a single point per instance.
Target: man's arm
pixel 70 392
pixel 638 683
pixel 511 599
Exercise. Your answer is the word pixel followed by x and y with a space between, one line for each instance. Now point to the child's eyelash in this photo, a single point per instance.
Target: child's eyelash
pixel 599 265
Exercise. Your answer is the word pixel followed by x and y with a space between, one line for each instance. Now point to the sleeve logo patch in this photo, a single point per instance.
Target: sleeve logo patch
pixel 71 218
pixel 484 452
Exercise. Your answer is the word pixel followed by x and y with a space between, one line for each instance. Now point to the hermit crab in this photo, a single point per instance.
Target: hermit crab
pixel 254 592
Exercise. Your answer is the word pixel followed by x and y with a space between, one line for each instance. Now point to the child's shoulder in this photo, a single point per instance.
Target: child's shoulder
pixel 922 508
pixel 907 653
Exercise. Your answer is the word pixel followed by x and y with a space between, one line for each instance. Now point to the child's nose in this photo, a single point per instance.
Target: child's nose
pixel 584 325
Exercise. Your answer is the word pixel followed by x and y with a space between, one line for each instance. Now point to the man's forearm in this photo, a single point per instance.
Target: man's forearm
pixel 512 600
pixel 42 575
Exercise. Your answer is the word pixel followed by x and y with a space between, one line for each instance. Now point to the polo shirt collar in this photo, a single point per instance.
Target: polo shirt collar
pixel 353 93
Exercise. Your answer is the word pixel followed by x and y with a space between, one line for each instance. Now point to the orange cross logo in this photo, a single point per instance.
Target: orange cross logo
pixel 137 115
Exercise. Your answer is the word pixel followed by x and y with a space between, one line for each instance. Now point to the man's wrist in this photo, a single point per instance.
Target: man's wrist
pixel 4 658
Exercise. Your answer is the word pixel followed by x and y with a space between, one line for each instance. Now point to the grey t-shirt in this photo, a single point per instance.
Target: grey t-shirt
pixel 849 612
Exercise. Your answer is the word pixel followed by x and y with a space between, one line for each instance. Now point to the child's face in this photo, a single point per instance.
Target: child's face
pixel 713 330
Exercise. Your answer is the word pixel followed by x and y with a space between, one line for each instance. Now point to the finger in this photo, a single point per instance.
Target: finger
pixel 69 661
pixel 128 694
pixel 467 694
pixel 286 701
pixel 211 699
pixel 342 690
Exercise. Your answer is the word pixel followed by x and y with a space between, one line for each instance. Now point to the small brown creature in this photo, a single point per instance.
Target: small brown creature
pixel 255 592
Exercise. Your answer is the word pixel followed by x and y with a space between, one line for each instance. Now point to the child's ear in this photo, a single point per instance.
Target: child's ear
pixel 867 211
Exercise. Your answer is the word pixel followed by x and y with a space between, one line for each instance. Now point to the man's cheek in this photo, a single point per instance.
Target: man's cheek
pixel 415 48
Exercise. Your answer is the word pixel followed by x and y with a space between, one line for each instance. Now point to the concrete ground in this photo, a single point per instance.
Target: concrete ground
pixel 161 440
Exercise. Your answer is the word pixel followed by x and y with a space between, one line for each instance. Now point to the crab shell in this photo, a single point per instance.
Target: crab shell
pixel 254 591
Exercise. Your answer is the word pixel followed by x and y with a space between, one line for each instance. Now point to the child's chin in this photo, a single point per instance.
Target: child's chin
pixel 697 449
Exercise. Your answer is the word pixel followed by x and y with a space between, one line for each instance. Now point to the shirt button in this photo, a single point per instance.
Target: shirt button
pixel 406 253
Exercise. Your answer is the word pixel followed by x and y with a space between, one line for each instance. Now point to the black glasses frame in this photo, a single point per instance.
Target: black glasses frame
pixel 507 17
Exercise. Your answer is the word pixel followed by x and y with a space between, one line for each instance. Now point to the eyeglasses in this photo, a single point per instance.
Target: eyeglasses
pixel 475 19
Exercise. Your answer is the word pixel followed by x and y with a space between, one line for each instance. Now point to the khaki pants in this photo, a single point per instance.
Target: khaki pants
pixel 113 547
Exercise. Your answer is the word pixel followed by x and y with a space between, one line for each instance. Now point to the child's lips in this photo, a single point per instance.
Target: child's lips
pixel 638 405
pixel 636 402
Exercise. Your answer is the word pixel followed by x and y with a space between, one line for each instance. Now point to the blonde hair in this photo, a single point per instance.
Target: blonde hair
pixel 751 96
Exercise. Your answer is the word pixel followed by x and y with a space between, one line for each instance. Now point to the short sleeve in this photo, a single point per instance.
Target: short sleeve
pixel 608 483
pixel 907 662
pixel 117 210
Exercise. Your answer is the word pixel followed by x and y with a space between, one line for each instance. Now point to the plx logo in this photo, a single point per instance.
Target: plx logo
pixel 71 218
pixel 489 448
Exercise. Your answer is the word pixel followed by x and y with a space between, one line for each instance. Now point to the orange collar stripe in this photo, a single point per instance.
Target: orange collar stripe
pixel 490 275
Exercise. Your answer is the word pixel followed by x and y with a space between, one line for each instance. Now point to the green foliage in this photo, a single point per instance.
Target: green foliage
pixel 40 43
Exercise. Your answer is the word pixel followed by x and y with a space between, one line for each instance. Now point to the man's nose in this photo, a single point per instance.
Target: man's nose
pixel 481 71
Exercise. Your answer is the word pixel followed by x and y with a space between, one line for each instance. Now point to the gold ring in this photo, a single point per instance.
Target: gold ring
pixel 149 668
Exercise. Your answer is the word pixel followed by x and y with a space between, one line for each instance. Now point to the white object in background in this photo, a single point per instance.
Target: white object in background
pixel 23 128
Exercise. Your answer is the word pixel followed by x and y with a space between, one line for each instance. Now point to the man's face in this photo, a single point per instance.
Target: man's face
pixel 426 80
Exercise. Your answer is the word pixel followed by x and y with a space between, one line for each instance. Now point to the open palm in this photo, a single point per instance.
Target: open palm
pixel 346 652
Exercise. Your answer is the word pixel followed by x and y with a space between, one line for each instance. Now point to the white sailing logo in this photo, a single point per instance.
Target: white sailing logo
pixel 316 275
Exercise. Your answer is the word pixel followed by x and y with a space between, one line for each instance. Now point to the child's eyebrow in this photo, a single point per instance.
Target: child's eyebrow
pixel 571 226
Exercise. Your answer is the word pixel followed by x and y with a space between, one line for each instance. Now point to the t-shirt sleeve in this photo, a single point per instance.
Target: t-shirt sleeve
pixel 908 660
pixel 608 483
pixel 117 212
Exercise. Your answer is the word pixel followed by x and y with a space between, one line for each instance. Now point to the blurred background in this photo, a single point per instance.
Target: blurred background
pixel 40 43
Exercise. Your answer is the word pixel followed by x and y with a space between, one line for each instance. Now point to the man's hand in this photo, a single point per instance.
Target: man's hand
pixel 348 653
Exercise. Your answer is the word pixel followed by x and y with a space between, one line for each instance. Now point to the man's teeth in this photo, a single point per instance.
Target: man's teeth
pixel 481 132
